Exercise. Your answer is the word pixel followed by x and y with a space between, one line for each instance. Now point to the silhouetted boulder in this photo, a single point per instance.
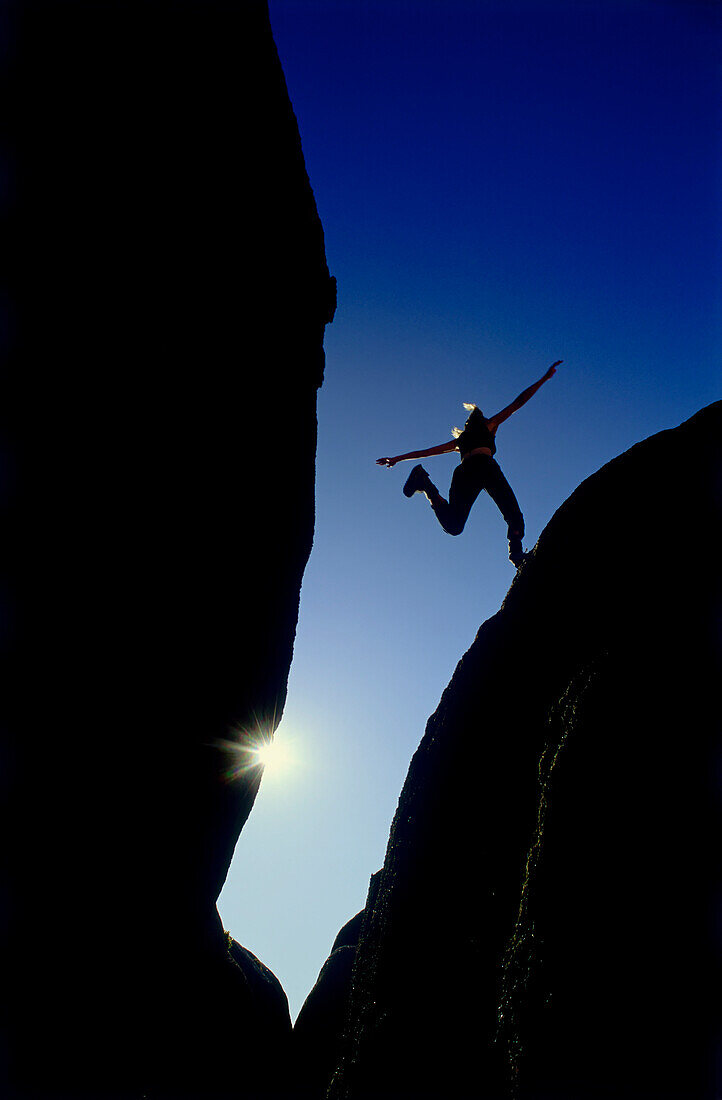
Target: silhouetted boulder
pixel 320 1023
pixel 159 416
pixel 544 925
pixel 319 1027
pixel 269 998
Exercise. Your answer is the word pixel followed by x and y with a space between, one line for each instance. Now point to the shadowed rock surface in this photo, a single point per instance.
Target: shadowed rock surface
pixel 545 919
pixel 165 353
pixel 319 1027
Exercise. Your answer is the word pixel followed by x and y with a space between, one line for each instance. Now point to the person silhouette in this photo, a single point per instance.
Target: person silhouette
pixel 477 470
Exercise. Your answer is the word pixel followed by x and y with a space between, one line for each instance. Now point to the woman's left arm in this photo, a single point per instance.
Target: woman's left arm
pixel 523 397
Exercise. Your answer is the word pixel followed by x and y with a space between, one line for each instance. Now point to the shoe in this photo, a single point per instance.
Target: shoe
pixel 517 556
pixel 416 482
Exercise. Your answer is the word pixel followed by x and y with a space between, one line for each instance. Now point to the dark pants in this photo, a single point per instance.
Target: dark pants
pixel 475 473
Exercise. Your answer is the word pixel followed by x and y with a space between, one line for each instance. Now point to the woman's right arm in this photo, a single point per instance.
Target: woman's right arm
pixel 442 449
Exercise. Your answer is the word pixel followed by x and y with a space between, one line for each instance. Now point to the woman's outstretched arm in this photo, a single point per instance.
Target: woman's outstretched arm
pixel 442 449
pixel 523 397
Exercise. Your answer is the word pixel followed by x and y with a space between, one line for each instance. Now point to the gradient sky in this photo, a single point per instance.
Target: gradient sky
pixel 501 185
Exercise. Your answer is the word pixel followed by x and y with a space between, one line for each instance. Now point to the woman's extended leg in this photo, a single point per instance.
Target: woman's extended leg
pixel 502 494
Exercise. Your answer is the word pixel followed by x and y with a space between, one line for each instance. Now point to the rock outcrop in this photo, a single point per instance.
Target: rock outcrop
pixel 544 924
pixel 160 418
pixel 319 1027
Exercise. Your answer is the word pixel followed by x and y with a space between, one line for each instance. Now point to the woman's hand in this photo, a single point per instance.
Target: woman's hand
pixel 552 370
pixel 389 462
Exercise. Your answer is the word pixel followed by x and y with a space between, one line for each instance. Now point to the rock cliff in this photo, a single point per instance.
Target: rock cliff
pixel 544 923
pixel 168 306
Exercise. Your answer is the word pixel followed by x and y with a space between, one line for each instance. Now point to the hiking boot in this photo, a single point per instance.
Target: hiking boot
pixel 517 556
pixel 418 481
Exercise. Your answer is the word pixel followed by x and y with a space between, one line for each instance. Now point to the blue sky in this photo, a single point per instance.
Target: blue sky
pixel 501 185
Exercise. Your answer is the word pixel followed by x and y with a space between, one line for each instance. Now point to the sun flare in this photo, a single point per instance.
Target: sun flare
pixel 271 755
pixel 250 752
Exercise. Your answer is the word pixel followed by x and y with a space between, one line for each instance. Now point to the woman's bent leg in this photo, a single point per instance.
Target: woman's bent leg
pixel 466 485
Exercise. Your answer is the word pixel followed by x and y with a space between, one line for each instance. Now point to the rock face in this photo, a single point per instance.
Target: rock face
pixel 165 353
pixel 544 924
pixel 319 1027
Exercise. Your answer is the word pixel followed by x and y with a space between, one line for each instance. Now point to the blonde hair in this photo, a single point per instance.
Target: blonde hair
pixel 469 406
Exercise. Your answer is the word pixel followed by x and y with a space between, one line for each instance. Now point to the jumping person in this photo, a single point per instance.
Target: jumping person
pixel 477 470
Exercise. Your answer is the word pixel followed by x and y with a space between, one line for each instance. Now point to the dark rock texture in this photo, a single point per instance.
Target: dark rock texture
pixel 270 1004
pixel 545 920
pixel 319 1027
pixel 168 307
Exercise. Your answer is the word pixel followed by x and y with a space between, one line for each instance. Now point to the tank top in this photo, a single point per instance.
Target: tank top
pixel 476 433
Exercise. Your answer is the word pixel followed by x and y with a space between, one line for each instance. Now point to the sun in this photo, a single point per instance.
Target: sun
pixel 259 751
pixel 271 755
pixel 275 755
